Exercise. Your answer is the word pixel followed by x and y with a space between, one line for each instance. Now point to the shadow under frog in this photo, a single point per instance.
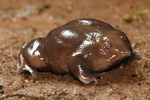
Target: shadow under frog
pixel 82 47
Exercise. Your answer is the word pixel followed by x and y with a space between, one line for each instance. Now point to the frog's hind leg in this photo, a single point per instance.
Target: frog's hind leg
pixel 80 71
pixel 22 65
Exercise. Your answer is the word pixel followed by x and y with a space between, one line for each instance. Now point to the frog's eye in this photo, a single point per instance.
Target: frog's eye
pixel 107 45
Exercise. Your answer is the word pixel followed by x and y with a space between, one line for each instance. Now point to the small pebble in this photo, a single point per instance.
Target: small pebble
pixel 1 92
pixel 1 86
pixel 26 81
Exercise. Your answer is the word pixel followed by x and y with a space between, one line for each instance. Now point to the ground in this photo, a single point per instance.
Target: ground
pixel 24 20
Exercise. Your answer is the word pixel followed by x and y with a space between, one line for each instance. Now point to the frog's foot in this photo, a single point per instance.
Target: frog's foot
pixel 22 65
pixel 80 71
pixel 87 80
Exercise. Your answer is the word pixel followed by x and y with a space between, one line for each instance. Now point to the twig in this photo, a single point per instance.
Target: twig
pixel 21 95
pixel 122 96
pixel 135 15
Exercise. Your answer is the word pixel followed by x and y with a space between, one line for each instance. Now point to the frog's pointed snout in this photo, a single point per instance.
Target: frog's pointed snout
pixel 127 53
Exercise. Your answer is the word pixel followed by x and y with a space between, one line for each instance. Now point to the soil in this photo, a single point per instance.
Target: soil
pixel 24 20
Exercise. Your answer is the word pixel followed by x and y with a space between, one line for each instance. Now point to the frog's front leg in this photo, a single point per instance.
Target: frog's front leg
pixel 78 69
pixel 22 65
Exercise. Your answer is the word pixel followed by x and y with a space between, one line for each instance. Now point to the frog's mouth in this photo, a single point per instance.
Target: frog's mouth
pixel 118 57
pixel 105 63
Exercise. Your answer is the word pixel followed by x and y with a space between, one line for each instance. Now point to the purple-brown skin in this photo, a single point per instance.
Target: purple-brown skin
pixel 83 47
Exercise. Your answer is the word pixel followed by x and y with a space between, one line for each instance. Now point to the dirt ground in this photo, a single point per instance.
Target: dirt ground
pixel 24 20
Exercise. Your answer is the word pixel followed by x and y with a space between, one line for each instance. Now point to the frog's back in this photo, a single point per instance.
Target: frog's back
pixel 65 40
